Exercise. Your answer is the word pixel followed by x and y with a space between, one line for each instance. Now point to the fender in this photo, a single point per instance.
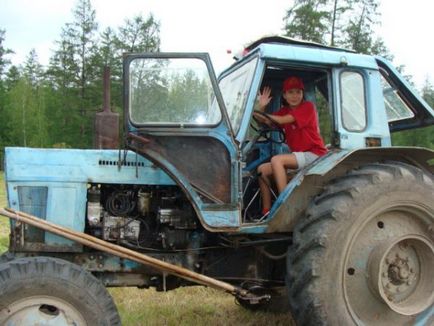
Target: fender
pixel 309 182
pixel 417 156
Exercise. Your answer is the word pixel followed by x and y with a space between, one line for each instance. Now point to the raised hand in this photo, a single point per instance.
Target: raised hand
pixel 264 98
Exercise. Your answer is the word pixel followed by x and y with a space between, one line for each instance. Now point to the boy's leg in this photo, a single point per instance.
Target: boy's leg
pixel 265 172
pixel 279 164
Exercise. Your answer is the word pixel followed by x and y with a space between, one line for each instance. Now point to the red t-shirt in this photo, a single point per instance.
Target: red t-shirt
pixel 302 135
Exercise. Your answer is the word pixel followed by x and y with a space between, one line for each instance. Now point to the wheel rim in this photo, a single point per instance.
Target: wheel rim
pixel 401 273
pixel 382 251
pixel 43 310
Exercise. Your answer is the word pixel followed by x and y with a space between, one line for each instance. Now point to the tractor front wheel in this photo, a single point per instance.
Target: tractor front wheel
pixel 364 255
pixel 49 291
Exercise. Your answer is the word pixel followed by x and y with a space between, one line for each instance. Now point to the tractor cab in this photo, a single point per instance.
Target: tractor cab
pixel 200 130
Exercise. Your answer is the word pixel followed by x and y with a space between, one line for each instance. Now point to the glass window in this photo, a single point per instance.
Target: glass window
pixel 171 92
pixel 235 89
pixel 353 101
pixel 396 108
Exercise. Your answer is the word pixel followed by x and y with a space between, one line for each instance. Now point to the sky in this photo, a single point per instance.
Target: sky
pixel 213 26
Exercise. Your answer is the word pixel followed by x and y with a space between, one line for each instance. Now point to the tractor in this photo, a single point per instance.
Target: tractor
pixel 350 240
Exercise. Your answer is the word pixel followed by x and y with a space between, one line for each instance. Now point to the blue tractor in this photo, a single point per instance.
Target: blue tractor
pixel 350 241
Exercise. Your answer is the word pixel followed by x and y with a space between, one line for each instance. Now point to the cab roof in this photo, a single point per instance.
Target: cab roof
pixel 284 49
pixel 275 39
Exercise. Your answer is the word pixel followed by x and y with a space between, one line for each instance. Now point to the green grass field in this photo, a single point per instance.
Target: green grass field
pixel 184 306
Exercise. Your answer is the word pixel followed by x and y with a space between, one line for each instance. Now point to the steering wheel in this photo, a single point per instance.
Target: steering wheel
pixel 266 129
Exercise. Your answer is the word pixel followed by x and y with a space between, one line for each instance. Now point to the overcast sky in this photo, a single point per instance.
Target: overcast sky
pixel 213 26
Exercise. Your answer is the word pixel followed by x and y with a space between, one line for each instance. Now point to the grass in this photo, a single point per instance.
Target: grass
pixel 184 306
pixel 4 222
pixel 188 306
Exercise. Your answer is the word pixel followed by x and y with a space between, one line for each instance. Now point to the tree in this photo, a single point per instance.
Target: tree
pixel 307 20
pixel 428 93
pixel 57 105
pixel 73 73
pixel 33 70
pixel 108 52
pixel 4 61
pixel 110 56
pixel 139 35
pixel 358 35
pixel 64 104
pixel 428 96
pixel 25 105
pixel 12 77
pixel 346 23
pixel 423 137
pixel 339 8
pixel 187 95
pixel 83 36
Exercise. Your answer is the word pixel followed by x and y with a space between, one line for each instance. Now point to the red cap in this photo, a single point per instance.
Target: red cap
pixel 292 82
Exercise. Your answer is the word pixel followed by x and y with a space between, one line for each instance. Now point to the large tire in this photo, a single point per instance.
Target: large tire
pixel 364 254
pixel 49 291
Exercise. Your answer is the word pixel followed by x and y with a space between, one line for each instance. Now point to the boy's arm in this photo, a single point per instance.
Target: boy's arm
pixel 282 119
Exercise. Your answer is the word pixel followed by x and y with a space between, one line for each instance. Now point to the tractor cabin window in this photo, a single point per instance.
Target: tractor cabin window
pixel 396 108
pixel 175 92
pixel 353 102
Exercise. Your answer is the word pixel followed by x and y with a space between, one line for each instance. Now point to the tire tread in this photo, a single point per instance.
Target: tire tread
pixel 44 270
pixel 325 211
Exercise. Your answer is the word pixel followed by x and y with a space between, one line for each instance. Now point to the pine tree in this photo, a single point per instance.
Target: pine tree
pixel 64 104
pixel 339 8
pixel 73 73
pixel 109 55
pixel 308 20
pixel 359 33
pixel 139 34
pixel 4 63
pixel 25 105
pixel 343 23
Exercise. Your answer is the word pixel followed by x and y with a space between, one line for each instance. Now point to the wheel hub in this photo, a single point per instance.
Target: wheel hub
pixel 43 310
pixel 401 273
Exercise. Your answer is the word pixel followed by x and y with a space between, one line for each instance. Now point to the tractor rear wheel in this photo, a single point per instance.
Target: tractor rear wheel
pixel 364 255
pixel 49 291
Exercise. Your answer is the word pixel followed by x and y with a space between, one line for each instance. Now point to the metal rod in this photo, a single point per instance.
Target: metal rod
pixel 122 252
pixel 106 89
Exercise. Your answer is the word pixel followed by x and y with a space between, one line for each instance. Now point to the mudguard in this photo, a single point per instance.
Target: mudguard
pixel 308 182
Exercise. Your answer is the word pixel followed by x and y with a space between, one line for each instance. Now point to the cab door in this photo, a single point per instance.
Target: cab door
pixel 176 117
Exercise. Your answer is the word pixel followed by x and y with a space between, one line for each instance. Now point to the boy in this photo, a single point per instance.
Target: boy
pixel 300 123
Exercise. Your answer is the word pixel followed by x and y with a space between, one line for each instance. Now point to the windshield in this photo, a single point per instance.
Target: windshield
pixel 235 90
pixel 171 92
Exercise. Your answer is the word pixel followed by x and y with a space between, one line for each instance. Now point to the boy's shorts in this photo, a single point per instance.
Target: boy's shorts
pixel 304 158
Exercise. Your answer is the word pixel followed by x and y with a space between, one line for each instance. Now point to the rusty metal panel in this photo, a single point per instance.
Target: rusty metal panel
pixel 202 160
pixel 106 122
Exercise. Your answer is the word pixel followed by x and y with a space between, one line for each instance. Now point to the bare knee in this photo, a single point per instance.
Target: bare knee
pixel 277 162
pixel 265 169
pixel 284 161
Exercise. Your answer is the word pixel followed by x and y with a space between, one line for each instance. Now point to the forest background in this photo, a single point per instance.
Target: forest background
pixel 54 105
